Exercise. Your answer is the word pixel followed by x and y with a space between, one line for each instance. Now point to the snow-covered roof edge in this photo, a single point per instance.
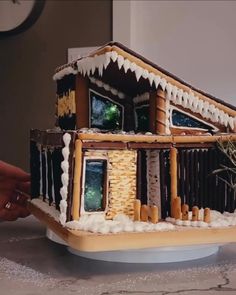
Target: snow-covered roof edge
pixel 176 88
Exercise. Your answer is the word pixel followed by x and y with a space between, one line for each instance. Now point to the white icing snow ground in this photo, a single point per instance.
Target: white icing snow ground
pixel 121 223
pixel 218 220
pixel 97 223
pixel 44 206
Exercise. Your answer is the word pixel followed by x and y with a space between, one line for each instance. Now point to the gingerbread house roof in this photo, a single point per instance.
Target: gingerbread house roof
pixel 117 68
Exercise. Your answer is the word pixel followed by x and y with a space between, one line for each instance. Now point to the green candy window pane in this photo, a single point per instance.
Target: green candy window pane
pixel 142 118
pixel 94 185
pixel 182 120
pixel 105 114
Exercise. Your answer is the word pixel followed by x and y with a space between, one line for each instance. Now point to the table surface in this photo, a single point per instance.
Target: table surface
pixel 32 264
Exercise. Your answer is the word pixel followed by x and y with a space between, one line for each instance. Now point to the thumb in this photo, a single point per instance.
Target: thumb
pixel 10 171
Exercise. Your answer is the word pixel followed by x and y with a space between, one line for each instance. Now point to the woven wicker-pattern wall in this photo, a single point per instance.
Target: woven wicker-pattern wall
pixel 122 182
pixel 96 154
pixel 121 176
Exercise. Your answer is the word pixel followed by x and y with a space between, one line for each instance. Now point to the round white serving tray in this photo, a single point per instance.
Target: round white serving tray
pixel 151 255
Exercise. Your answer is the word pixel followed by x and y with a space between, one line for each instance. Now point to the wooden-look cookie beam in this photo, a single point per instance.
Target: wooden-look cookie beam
pixel 158 112
pixel 202 138
pixel 144 213
pixel 207 215
pixel 155 138
pixel 154 217
pixel 77 180
pixel 195 213
pixel 185 212
pixel 173 178
pixel 137 209
pixel 177 208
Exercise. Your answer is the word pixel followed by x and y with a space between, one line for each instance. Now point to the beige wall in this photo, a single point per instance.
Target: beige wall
pixel 195 40
pixel 27 64
pixel 122 182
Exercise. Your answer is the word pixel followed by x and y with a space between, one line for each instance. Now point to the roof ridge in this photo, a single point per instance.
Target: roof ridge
pixel 73 64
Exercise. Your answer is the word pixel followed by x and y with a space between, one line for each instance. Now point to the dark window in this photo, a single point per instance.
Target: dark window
pixel 182 120
pixel 95 185
pixel 104 113
pixel 142 117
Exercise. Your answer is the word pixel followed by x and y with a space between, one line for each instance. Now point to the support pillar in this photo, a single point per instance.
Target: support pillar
pixel 77 180
pixel 173 177
pixel 158 112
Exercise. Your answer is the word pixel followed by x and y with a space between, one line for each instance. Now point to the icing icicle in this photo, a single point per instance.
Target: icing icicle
pixel 107 87
pixel 64 177
pixel 88 65
pixel 141 98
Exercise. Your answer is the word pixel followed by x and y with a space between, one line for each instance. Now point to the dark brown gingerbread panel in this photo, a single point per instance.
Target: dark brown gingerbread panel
pixel 82 101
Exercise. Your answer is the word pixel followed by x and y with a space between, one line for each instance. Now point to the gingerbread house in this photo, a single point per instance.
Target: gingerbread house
pixel 130 135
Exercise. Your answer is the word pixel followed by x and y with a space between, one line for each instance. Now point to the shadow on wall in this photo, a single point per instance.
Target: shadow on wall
pixel 28 60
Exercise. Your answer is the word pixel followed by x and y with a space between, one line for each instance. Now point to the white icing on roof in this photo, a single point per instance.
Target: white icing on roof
pixel 88 65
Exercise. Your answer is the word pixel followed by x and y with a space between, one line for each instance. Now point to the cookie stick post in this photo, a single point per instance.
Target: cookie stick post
pixel 173 177
pixel 77 180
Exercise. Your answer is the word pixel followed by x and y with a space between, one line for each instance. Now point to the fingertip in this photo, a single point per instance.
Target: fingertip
pixel 24 186
pixel 12 211
pixel 20 199
pixel 24 212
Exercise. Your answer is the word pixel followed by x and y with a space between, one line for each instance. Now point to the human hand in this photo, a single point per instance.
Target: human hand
pixel 14 182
